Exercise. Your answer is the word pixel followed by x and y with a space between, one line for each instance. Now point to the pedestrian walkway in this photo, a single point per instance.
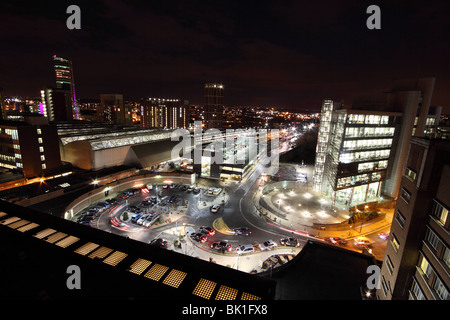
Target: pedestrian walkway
pixel 207 201
pixel 294 206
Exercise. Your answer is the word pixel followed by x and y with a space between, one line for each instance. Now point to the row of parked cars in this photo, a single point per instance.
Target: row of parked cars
pixel 128 193
pixel 146 220
pixel 94 211
pixel 202 234
pixel 267 245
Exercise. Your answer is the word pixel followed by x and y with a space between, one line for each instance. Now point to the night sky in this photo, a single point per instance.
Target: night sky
pixel 289 54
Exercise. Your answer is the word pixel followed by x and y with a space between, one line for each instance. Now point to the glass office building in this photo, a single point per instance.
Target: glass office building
pixel 362 150
pixel 353 151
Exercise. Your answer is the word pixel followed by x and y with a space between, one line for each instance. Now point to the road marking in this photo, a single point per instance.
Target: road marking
pixel 220 226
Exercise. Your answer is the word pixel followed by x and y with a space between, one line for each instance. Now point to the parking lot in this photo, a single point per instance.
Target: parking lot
pixel 150 206
pixel 179 217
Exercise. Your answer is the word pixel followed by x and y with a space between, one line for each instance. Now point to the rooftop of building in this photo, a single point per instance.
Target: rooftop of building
pixel 67 178
pixel 103 135
pixel 41 247
pixel 322 271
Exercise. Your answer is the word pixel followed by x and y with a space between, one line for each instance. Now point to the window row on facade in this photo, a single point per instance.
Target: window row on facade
pixel 356 132
pixel 358 179
pixel 348 157
pixel 367 119
pixel 367 144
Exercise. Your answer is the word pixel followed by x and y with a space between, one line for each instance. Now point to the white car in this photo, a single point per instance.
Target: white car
pixel 247 248
pixel 147 223
pixel 142 220
pixel 267 245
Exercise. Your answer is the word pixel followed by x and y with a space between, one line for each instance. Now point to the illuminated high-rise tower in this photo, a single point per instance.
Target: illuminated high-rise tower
pixel 65 80
pixel 213 105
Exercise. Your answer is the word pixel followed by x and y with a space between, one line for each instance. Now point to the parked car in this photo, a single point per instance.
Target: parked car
pixel 267 245
pixel 165 186
pixel 85 218
pixel 244 230
pixel 196 190
pixel 142 219
pixel 146 203
pixel 132 208
pixel 161 243
pixel 198 237
pixel 124 195
pixel 221 246
pixel 104 204
pixel 246 248
pixel 150 220
pixel 111 201
pixel 135 191
pixel 215 208
pixel 97 209
pixel 136 217
pixel 290 242
pixel 207 230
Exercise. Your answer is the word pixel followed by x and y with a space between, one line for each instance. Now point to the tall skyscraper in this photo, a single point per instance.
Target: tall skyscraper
pixel 65 80
pixel 417 258
pixel 213 107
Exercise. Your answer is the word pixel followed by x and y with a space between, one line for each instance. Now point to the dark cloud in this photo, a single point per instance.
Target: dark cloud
pixel 279 53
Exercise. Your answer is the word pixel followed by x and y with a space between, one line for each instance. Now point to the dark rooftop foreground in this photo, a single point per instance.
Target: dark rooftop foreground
pixel 322 272
pixel 37 248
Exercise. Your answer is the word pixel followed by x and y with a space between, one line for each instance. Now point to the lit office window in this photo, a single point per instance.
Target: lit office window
pixel 41 149
pixel 424 266
pixel 410 174
pixel 40 140
pixel 44 166
pixel 42 158
pixel 395 243
pixel 440 213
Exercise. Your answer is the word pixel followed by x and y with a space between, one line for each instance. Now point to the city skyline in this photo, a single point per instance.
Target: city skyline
pixel 285 54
